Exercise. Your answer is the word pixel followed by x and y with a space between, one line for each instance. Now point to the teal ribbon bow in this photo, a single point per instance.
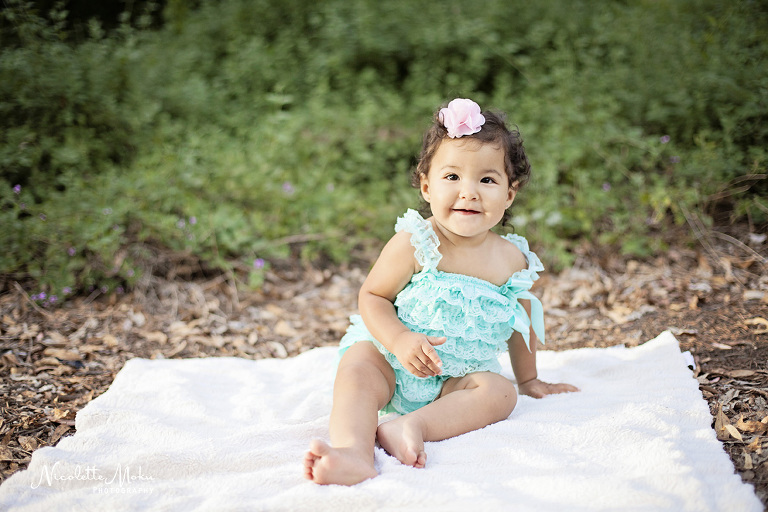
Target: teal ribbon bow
pixel 520 321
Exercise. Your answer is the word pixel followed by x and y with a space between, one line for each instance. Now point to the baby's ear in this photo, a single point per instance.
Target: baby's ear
pixel 512 192
pixel 424 186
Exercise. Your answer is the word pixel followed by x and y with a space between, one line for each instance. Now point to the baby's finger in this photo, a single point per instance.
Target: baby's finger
pixel 433 362
pixel 435 340
pixel 418 369
pixel 564 388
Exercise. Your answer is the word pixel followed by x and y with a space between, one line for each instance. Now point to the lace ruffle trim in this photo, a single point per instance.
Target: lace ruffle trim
pixel 426 244
pixel 423 238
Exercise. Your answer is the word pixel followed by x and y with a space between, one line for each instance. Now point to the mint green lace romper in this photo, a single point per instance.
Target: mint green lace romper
pixel 476 316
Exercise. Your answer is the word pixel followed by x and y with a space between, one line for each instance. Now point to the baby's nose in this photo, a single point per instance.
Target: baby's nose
pixel 468 190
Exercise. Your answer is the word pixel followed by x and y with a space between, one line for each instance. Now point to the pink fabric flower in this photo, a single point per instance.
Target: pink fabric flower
pixel 462 117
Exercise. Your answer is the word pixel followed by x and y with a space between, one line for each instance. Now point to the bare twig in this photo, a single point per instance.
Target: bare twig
pixel 703 235
pixel 741 245
pixel 728 191
pixel 700 231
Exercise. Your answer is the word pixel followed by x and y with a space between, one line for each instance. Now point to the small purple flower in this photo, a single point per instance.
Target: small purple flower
pixel 288 188
pixel 606 187
pixel 193 220
pixel 67 290
pixel 674 159
pixel 664 139
pixel 130 272
pixel 104 289
pixel 17 189
pixel 42 216
pixel 180 224
pixel 71 251
pixel 42 296
pixel 120 290
pixel 258 263
pixel 52 299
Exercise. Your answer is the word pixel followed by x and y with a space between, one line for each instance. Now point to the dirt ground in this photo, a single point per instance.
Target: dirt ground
pixel 714 299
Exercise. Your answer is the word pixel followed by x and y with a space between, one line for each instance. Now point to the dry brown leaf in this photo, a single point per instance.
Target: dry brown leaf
pixel 756 445
pixel 277 349
pixel 59 413
pixel 179 328
pixel 57 337
pixel 63 354
pixel 10 359
pixel 751 425
pixel 721 420
pixel 728 267
pixel 758 321
pixel 60 431
pixel 109 340
pixel 88 325
pixel 47 361
pixel 275 310
pixel 734 433
pixel 216 341
pixel 5 453
pixel 28 443
pixel 181 346
pixel 738 374
pixel 755 295
pixel 154 336
pixel 619 314
pixel 283 328
pixel 747 460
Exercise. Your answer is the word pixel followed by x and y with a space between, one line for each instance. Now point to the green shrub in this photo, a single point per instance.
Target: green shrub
pixel 242 130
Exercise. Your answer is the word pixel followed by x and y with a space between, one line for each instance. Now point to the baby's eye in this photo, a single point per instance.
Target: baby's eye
pixel 452 177
pixel 487 179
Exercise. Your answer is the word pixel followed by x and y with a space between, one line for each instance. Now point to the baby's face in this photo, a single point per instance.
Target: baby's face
pixel 467 187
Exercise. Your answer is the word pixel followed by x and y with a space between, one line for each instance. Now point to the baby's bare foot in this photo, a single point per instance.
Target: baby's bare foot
pixel 324 464
pixel 403 438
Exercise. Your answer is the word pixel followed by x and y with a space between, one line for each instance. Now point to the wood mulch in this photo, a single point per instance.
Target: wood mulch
pixel 715 301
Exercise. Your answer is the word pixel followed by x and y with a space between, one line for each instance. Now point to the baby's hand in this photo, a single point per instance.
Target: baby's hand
pixel 539 389
pixel 417 354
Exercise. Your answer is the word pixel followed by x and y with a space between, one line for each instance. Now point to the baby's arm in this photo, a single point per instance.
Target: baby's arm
pixel 524 366
pixel 389 275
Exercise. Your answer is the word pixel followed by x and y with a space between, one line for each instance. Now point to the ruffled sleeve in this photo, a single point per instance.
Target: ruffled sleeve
pixel 534 263
pixel 423 238
pixel 519 286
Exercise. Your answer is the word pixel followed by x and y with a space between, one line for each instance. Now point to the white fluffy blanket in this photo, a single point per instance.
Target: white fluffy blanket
pixel 230 434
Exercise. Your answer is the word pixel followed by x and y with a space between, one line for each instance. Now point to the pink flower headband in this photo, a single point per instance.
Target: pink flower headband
pixel 462 117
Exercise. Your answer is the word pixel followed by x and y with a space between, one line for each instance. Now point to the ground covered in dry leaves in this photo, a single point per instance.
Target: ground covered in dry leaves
pixel 714 298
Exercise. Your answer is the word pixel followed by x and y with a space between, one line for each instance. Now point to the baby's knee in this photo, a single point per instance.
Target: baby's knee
pixel 507 397
pixel 500 394
pixel 357 371
pixel 364 368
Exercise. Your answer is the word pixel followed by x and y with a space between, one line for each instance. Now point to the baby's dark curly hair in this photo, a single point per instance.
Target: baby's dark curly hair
pixel 494 131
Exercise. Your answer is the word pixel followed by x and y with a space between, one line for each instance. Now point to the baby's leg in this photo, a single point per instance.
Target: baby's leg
pixel 364 384
pixel 465 404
